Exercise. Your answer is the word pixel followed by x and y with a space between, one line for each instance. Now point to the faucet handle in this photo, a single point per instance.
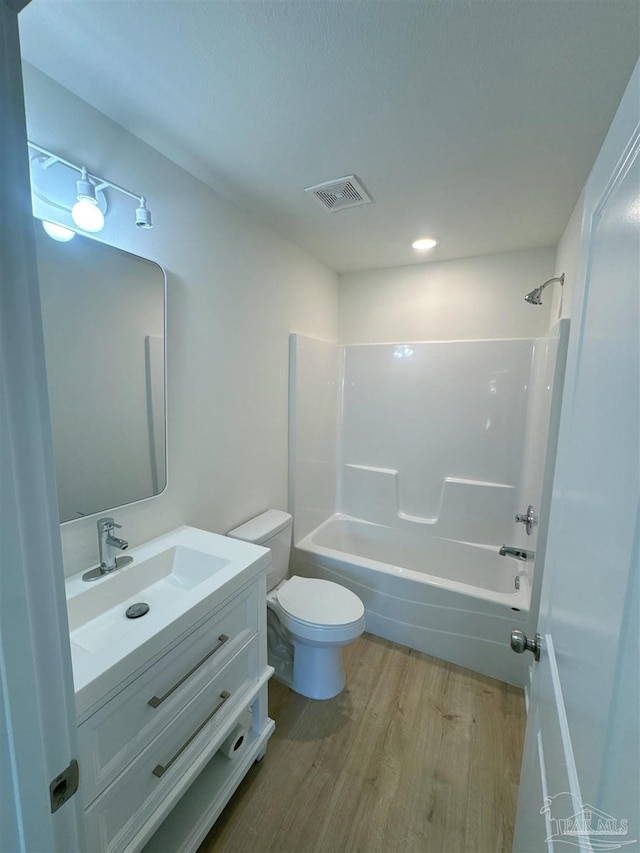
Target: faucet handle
pixel 106 524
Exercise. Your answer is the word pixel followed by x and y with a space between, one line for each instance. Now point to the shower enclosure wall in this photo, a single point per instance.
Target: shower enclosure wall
pixel 408 464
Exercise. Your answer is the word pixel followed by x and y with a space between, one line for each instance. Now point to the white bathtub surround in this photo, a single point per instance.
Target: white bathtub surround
pixel 409 451
pixel 432 434
pixel 439 445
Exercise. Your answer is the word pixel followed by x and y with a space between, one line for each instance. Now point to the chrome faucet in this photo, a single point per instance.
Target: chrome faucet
pixel 108 544
pixel 517 553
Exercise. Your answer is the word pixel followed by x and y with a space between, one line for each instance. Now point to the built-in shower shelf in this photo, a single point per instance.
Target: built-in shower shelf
pixel 478 508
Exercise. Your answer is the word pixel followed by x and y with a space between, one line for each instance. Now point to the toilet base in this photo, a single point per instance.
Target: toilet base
pixel 318 671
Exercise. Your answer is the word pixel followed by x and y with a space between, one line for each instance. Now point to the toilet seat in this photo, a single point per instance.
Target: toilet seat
pixel 319 611
pixel 319 602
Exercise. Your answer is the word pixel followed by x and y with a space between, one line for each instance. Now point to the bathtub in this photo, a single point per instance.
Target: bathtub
pixel 454 600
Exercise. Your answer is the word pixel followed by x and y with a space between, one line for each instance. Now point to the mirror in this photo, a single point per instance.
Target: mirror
pixel 103 315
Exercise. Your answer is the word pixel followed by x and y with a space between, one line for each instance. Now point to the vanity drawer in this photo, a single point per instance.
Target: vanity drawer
pixel 112 737
pixel 192 737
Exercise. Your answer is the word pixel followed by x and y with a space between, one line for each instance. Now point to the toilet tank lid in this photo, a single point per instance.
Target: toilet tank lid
pixel 262 527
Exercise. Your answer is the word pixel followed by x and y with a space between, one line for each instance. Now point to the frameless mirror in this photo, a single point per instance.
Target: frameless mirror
pixel 103 313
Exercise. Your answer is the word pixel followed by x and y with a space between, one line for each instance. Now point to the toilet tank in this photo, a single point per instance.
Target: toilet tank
pixel 272 529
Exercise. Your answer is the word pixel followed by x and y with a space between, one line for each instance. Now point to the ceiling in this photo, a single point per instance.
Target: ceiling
pixel 474 121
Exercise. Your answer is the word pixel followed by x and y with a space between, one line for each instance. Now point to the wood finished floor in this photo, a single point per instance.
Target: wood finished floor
pixel 415 755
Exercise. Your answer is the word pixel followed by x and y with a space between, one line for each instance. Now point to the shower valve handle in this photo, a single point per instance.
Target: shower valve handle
pixel 529 519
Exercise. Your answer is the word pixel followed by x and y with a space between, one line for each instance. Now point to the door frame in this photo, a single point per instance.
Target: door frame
pixel 38 735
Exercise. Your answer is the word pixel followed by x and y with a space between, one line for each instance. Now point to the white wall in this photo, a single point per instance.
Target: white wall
pixel 567 263
pixel 315 373
pixel 236 290
pixel 468 299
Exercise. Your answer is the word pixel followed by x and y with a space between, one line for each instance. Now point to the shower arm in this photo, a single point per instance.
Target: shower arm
pixel 559 278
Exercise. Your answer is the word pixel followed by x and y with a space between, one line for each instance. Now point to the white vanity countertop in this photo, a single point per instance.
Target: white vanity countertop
pixel 183 576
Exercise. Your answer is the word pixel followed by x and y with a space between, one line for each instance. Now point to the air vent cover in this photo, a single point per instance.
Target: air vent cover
pixel 344 192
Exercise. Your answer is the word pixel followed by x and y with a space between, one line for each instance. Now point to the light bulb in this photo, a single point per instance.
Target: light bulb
pixel 87 215
pixel 58 232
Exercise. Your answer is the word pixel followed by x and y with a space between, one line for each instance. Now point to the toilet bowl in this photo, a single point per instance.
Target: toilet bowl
pixel 308 620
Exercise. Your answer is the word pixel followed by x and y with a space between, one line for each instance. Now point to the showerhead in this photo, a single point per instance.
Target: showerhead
pixel 535 297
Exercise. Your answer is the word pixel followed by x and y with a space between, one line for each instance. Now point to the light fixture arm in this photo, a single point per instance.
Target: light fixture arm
pixel 98 182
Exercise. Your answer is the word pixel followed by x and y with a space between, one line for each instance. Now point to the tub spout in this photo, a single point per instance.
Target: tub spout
pixel 517 553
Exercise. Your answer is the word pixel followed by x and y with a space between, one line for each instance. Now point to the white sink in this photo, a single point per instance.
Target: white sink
pixel 155 577
pixel 180 576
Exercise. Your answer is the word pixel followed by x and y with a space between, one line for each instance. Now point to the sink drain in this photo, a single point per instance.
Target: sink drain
pixel 137 610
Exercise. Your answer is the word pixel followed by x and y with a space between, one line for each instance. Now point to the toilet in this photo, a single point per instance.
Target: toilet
pixel 308 620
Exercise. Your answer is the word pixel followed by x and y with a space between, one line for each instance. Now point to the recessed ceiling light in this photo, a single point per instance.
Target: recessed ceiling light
pixel 424 244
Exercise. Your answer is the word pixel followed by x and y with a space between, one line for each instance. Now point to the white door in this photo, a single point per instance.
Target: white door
pixel 37 716
pixel 579 783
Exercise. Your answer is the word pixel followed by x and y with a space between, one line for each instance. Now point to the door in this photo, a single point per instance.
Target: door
pixel 37 715
pixel 579 782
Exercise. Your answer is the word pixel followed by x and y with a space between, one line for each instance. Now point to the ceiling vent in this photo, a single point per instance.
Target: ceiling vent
pixel 344 192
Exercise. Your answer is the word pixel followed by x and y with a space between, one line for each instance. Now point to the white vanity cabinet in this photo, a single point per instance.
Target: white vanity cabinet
pixel 151 771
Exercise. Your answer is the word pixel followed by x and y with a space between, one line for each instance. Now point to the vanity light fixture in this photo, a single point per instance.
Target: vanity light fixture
pixel 88 210
pixel 424 244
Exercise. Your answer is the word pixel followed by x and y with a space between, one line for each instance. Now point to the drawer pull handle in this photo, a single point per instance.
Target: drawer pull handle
pixel 155 700
pixel 160 769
